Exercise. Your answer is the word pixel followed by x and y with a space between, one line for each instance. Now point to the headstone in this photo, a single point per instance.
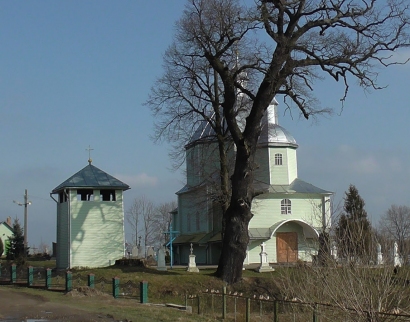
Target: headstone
pixel 161 266
pixel 150 251
pixel 396 257
pixel 334 252
pixel 379 255
pixel 192 264
pixel 264 267
pixel 134 252
pixel 141 253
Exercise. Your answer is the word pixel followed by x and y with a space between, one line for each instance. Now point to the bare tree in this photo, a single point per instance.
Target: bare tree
pixel 284 46
pixel 362 293
pixel 395 226
pixel 133 216
pixel 144 219
pixel 150 221
pixel 164 211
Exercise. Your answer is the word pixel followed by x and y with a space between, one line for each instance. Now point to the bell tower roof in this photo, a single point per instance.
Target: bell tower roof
pixel 91 177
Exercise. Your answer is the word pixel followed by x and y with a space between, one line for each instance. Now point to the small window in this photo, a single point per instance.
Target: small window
pixel 85 194
pixel 285 207
pixel 278 159
pixel 107 195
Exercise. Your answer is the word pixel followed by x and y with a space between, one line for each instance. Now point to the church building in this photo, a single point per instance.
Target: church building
pixel 90 219
pixel 289 213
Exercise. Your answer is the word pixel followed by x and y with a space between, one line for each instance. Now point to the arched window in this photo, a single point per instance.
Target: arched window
pixel 285 207
pixel 278 159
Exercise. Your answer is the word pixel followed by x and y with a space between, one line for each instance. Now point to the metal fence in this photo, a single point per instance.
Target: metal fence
pixel 65 281
pixel 217 304
pixel 229 307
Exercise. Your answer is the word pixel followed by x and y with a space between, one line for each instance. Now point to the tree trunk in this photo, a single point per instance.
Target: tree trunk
pixel 237 217
pixel 234 244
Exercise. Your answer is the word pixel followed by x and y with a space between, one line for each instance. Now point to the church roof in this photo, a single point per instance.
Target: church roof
pixel 276 135
pixel 272 133
pixel 91 177
pixel 297 186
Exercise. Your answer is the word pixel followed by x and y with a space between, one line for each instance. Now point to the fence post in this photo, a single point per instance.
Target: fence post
pixel 199 305
pixel 224 302
pixel 248 309
pixel 13 273
pixel 115 287
pixel 91 280
pixel 0 269
pixel 315 313
pixel 275 311
pixel 68 281
pixel 144 292
pixel 30 272
pixel 48 278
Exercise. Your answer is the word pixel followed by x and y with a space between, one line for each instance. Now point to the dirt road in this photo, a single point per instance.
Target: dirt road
pixel 16 305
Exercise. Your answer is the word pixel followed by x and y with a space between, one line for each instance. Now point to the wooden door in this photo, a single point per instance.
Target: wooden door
pixel 287 247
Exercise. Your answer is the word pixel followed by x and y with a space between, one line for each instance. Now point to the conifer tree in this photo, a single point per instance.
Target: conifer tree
pixel 1 247
pixel 354 231
pixel 16 245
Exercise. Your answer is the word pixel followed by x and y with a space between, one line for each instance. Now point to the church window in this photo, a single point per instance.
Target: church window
pixel 278 159
pixel 108 195
pixel 85 194
pixel 285 207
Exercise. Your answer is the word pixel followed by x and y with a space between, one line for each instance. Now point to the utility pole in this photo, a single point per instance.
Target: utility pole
pixel 25 204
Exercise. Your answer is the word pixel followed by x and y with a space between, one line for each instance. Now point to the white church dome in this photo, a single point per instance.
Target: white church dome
pixel 272 133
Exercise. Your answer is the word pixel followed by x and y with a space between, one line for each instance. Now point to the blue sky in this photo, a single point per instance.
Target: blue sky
pixel 76 73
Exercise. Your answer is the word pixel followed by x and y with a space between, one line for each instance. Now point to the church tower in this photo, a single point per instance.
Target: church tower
pixel 276 153
pixel 90 219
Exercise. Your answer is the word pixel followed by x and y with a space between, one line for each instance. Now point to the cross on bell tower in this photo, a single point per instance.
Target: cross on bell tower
pixel 89 149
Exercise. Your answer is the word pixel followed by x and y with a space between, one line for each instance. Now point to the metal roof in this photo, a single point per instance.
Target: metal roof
pixel 91 177
pixel 271 133
pixel 192 238
pixel 259 233
pixel 297 186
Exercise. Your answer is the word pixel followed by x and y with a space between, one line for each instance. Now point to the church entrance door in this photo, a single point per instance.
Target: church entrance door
pixel 287 247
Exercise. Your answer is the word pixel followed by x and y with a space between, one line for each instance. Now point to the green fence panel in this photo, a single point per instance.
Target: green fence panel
pixel 91 278
pixel 115 287
pixel 30 275
pixel 144 292
pixel 48 278
pixel 13 273
pixel 68 281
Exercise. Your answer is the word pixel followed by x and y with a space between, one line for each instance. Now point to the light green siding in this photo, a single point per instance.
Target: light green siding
pixel 63 243
pixel 193 212
pixel 90 233
pixel 262 166
pixel 5 234
pixel 202 162
pixel 292 164
pixel 287 172
pixel 97 232
pixel 267 209
pixel 267 212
